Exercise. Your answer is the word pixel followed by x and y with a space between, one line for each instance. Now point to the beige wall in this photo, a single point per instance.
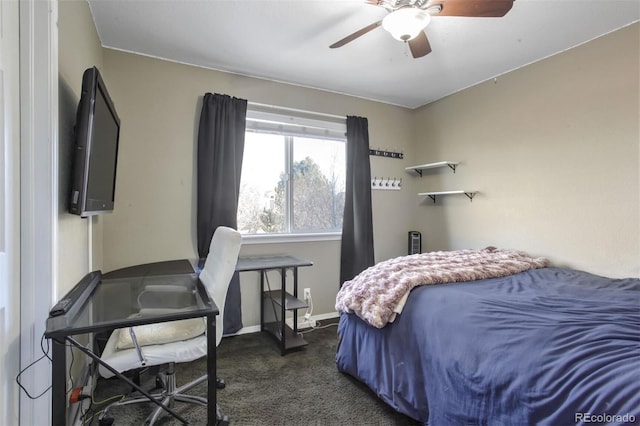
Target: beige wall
pixel 553 149
pixel 78 49
pixel 159 104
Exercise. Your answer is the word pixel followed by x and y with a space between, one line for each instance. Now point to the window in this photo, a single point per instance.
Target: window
pixel 293 176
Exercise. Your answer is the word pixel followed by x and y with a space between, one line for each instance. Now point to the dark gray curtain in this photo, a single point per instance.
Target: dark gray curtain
pixel 220 149
pixel 357 224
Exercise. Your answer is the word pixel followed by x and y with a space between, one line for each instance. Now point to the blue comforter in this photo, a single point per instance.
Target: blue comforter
pixel 546 346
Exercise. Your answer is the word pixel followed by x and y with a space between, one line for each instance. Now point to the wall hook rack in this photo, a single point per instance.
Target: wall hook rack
pixel 386 183
pixel 385 153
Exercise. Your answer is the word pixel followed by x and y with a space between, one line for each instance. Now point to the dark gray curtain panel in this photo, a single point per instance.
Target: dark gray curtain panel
pixel 220 149
pixel 357 224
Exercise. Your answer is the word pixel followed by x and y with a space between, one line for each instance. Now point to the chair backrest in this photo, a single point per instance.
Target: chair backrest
pixel 219 268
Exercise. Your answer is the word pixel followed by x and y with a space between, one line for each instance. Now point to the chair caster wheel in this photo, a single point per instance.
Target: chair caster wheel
pixel 220 384
pixel 221 419
pixel 107 421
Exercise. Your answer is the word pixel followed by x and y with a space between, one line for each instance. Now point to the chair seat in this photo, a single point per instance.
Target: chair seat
pixel 127 359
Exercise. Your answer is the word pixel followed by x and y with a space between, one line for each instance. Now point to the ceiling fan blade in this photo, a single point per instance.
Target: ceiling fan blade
pixel 355 35
pixel 419 45
pixel 472 8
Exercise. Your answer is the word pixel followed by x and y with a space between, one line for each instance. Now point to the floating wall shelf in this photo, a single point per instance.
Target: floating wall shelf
pixel 433 195
pixel 418 169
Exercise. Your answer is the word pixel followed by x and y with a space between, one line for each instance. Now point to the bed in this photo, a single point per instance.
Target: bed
pixel 541 345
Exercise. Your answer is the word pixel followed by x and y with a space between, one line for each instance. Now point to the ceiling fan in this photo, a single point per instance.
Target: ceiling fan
pixel 407 19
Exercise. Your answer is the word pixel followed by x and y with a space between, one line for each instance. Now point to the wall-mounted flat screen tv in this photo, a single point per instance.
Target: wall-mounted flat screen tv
pixel 97 132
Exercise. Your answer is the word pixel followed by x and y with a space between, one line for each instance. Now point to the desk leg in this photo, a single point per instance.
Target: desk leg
pixel 58 384
pixel 283 325
pixel 211 371
pixel 262 272
pixel 295 294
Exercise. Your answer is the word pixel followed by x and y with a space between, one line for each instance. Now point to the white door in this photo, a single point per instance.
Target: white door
pixel 9 211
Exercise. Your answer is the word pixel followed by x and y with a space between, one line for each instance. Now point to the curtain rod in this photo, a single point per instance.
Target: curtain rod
pixel 302 111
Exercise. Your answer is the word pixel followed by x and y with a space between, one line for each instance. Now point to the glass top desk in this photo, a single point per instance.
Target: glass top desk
pixel 99 303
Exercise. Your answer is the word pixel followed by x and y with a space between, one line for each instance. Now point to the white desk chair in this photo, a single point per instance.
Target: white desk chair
pixel 177 341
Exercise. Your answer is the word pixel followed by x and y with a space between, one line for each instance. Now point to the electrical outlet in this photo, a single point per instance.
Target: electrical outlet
pixel 307 293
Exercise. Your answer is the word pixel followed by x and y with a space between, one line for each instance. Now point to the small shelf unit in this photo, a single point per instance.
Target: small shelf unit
pixel 272 300
pixel 277 302
pixel 418 169
pixel 433 195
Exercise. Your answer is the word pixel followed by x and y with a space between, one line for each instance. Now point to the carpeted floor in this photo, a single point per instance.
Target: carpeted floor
pixel 263 388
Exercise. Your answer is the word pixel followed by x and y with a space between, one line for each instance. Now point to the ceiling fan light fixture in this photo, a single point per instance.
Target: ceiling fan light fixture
pixel 406 23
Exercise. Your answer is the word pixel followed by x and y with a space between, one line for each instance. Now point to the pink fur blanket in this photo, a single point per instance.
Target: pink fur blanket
pixel 379 292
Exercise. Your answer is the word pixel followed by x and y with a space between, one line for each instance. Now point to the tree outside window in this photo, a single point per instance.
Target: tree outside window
pixel 291 185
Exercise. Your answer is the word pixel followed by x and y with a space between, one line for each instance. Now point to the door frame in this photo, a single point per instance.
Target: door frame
pixel 38 196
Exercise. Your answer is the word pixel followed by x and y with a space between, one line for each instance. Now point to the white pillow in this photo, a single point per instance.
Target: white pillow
pixel 163 332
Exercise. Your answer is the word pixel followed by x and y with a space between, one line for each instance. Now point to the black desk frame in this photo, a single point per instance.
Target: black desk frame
pixel 61 336
pixel 286 337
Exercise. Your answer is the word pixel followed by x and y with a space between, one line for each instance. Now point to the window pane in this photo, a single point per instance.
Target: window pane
pixel 318 185
pixel 262 186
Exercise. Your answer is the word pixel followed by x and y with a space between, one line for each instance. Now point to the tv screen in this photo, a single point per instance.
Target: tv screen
pixel 97 132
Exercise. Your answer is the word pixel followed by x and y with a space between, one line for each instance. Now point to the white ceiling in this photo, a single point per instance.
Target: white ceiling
pixel 287 41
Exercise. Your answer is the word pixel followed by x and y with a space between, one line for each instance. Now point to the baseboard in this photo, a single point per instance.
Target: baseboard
pixel 313 320
pixel 302 323
pixel 329 315
pixel 246 330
